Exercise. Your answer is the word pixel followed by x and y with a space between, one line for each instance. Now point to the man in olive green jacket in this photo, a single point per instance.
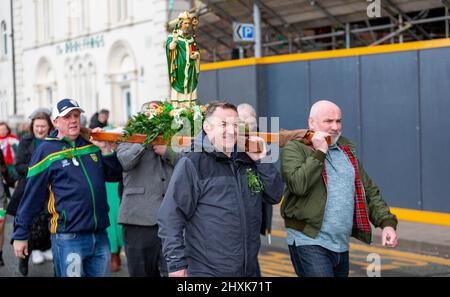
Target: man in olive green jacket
pixel 329 197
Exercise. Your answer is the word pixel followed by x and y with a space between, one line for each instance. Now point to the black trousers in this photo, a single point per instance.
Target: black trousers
pixel 143 250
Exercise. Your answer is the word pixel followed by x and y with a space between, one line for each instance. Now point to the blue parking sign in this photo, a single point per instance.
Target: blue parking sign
pixel 243 32
pixel 247 32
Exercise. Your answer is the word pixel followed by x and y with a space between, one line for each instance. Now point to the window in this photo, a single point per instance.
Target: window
pixel 45 83
pixel 78 16
pixel 4 41
pixel 3 105
pixel 49 92
pixel 122 11
pixel 81 82
pixel 119 10
pixel 43 13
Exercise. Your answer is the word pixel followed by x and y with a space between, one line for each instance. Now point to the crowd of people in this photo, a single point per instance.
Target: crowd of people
pixel 77 201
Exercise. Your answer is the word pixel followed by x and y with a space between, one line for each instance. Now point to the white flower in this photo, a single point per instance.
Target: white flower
pixel 177 120
pixel 197 113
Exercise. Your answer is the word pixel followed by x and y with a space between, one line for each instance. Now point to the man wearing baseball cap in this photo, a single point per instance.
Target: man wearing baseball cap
pixel 67 177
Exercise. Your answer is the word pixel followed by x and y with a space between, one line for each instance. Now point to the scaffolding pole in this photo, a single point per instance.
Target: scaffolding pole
pixel 392 35
pixel 257 20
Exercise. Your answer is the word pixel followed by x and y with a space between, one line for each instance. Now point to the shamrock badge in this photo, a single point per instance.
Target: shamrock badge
pixel 254 183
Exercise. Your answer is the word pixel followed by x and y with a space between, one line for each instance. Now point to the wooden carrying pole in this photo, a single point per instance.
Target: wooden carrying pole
pixel 281 138
pixel 140 138
pixel 181 141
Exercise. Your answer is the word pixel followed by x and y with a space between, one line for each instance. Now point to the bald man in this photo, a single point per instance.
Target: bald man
pixel 247 114
pixel 329 197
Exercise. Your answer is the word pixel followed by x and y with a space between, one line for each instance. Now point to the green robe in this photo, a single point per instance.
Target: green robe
pixel 183 76
pixel 114 230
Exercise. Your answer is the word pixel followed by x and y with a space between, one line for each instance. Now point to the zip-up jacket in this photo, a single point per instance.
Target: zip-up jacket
pixel 209 198
pixel 69 179
pixel 304 202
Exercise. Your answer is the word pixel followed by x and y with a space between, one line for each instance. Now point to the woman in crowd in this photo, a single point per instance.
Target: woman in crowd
pixel 8 144
pixel 4 194
pixel 8 147
pixel 39 241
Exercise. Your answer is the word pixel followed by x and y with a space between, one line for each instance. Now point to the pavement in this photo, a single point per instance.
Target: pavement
pixel 423 250
pixel 37 270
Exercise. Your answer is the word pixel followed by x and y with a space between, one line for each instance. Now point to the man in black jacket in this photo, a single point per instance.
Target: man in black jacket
pixel 215 197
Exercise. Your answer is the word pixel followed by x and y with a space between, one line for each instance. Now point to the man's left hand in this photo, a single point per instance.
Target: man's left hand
pixel 257 140
pixel 104 146
pixel 389 237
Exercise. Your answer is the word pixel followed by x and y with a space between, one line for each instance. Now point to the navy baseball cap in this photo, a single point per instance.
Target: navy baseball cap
pixel 65 106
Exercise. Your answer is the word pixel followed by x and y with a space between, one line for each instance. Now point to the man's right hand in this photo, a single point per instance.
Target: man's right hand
pixel 20 248
pixel 319 141
pixel 160 149
pixel 174 42
pixel 179 273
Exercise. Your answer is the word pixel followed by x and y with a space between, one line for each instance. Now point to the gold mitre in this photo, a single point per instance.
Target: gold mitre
pixel 184 16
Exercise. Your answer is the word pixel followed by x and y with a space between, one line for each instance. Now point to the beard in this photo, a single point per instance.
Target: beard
pixel 334 139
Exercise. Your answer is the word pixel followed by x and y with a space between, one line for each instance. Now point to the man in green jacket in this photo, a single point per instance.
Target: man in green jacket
pixel 329 197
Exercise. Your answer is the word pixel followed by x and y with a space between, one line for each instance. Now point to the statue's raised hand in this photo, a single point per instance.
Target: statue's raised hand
pixel 175 35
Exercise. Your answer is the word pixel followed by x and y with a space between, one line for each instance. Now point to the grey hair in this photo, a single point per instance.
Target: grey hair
pixel 246 107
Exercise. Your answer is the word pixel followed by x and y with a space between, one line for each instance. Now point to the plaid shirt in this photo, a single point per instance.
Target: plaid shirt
pixel 360 218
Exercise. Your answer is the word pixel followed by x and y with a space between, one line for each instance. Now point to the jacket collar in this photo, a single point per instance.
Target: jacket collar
pixel 78 142
pixel 202 142
pixel 343 141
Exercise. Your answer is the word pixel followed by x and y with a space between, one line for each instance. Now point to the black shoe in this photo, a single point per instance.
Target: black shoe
pixel 2 263
pixel 23 266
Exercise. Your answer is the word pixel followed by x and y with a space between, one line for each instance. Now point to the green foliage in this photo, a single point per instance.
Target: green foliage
pixel 164 120
pixel 254 183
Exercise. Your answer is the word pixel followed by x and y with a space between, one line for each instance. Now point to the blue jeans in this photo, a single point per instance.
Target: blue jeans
pixel 81 254
pixel 316 261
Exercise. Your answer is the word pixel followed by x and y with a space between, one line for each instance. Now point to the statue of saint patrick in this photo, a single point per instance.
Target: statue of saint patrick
pixel 183 59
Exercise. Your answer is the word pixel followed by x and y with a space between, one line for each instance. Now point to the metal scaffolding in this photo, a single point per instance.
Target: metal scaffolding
pixel 292 26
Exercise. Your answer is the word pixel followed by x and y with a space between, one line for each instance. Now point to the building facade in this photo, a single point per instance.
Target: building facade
pixel 103 53
pixel 6 63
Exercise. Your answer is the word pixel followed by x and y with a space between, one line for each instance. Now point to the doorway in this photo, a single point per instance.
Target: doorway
pixel 126 98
